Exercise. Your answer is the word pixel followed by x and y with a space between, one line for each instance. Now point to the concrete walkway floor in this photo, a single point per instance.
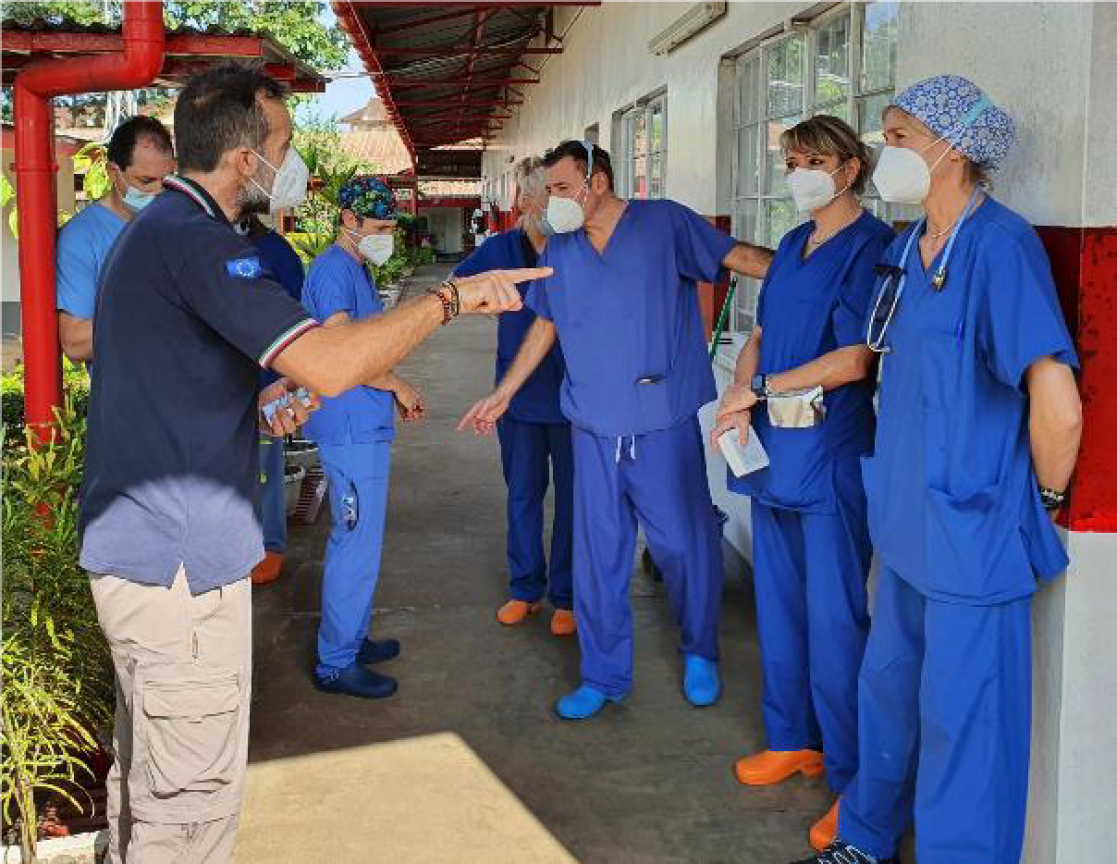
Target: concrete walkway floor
pixel 466 763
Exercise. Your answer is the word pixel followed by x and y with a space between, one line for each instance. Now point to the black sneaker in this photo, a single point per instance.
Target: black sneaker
pixel 377 651
pixel 842 853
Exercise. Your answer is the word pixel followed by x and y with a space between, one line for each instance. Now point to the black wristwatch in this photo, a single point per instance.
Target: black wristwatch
pixel 759 386
pixel 1052 500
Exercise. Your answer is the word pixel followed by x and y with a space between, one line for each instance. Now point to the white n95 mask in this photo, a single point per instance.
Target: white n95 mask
pixel 565 215
pixel 901 176
pixel 812 188
pixel 288 189
pixel 377 248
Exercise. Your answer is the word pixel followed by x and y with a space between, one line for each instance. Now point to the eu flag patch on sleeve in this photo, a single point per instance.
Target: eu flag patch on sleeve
pixel 245 268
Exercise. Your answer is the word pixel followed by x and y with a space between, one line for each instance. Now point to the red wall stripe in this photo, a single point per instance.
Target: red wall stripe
pixel 1084 263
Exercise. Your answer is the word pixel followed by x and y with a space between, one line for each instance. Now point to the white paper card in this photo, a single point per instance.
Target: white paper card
pixel 742 460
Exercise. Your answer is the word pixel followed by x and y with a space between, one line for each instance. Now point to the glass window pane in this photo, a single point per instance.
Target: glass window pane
pixel 748 162
pixel 655 180
pixel 785 77
pixel 832 62
pixel 640 177
pixel 870 124
pixel 878 45
pixel 775 179
pixel 639 132
pixel 779 217
pixel 656 125
pixel 748 86
pixel 744 303
pixel 838 109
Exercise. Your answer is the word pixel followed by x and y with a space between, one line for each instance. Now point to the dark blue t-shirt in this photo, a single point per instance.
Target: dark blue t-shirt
pixel 185 318
pixel 538 400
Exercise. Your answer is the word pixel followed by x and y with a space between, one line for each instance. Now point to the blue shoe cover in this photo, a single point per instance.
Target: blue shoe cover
pixel 582 704
pixel 701 681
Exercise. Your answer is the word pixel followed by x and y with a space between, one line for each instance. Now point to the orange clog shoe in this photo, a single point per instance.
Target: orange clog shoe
pixel 775 766
pixel 267 570
pixel 563 623
pixel 515 612
pixel 825 830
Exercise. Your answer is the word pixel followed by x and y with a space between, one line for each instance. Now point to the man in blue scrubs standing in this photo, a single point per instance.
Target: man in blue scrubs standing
pixel 354 433
pixel 624 306
pixel 138 157
pixel 977 435
pixel 284 265
pixel 534 435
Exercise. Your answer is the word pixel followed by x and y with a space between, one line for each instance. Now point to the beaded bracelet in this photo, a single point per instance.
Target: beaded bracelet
pixel 447 307
pixel 455 298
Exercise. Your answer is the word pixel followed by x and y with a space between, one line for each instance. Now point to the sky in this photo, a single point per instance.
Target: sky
pixel 343 95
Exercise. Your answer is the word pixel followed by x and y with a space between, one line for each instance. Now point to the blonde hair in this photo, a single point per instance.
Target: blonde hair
pixel 826 135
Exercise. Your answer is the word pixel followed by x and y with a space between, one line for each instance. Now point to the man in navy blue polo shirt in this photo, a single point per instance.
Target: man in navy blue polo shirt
pixel 534 435
pixel 185 318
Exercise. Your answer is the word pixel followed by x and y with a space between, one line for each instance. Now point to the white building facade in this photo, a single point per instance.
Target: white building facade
pixel 701 123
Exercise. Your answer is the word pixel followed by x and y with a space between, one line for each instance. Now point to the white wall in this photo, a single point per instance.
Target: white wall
pixel 9 247
pixel 447 224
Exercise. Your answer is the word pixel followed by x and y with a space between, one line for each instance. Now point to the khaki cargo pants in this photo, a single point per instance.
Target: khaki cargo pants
pixel 183 676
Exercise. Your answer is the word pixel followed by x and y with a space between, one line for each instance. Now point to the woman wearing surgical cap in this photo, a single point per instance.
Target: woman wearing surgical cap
pixel 977 434
pixel 810 541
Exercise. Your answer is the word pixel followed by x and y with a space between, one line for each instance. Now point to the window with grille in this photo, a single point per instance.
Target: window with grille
pixel 640 157
pixel 842 63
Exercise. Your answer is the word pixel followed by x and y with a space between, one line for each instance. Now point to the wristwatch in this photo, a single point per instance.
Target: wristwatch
pixel 1052 500
pixel 759 386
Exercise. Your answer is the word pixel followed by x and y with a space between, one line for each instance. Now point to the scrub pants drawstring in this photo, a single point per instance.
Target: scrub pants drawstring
pixel 631 447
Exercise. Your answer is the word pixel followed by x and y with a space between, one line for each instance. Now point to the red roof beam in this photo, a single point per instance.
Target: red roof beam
pixel 22 41
pixel 464 50
pixel 423 22
pixel 453 103
pixel 475 84
pixel 474 3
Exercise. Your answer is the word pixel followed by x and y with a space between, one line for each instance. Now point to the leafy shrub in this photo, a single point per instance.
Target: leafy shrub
pixel 75 385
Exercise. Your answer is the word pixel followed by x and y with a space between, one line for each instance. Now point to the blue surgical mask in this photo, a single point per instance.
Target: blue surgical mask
pixel 134 199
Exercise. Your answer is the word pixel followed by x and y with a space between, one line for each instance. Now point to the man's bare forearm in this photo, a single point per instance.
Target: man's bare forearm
pixel 331 360
pixel 748 260
pixel 76 336
pixel 538 341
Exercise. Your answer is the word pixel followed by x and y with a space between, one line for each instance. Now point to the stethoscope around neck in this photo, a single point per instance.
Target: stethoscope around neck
pixel 895 277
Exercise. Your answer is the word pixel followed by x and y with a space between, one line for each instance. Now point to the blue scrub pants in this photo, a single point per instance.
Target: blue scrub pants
pixel 809 572
pixel 273 504
pixel 945 726
pixel 530 453
pixel 659 479
pixel 358 484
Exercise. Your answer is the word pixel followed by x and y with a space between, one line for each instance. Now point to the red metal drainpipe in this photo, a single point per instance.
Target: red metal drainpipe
pixel 35 167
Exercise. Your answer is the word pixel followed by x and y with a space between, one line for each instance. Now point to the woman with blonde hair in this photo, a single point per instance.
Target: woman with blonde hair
pixel 811 550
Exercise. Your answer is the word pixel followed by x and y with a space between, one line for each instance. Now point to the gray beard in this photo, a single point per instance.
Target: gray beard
pixel 251 200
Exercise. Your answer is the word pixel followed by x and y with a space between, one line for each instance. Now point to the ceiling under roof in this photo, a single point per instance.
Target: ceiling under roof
pixel 450 73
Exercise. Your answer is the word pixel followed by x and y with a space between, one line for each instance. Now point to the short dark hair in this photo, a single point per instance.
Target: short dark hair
pixel 218 110
pixel 122 144
pixel 576 150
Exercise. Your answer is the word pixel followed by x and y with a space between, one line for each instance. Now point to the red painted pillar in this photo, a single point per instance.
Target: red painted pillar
pixel 1084 262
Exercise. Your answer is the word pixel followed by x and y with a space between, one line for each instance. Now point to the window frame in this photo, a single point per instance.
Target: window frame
pixel 624 124
pixel 760 199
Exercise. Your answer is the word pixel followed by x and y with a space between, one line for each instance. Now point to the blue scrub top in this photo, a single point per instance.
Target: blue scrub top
pixel 538 400
pixel 628 320
pixel 807 309
pixel 953 503
pixel 337 282
pixel 83 247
